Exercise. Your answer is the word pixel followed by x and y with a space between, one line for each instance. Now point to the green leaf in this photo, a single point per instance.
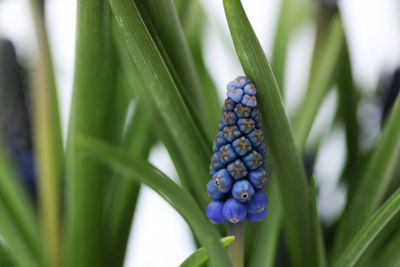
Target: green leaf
pixel 318 242
pixel 48 142
pixel 160 90
pixel 388 255
pixel 369 231
pixel 323 70
pixel 200 256
pixel 94 83
pixel 164 26
pixel 180 199
pixel 195 32
pixel 20 249
pixel 122 202
pixel 292 14
pixel 374 181
pixel 348 104
pixel 278 134
pixel 264 244
pixel 18 205
pixel 160 128
pixel 6 259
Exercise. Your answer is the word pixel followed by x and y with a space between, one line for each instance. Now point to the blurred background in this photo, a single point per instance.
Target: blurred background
pixel 372 30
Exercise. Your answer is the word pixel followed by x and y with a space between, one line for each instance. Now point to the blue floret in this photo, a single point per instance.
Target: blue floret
pixel 215 212
pixel 213 192
pixel 242 190
pixel 223 181
pixel 235 94
pixel 234 211
pixel 239 82
pixel 257 206
pixel 258 178
pixel 237 169
pixel 253 160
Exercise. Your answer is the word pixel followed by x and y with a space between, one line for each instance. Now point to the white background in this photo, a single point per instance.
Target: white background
pixel 160 237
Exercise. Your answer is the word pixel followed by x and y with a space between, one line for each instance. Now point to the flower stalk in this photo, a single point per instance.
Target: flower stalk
pixel 236 248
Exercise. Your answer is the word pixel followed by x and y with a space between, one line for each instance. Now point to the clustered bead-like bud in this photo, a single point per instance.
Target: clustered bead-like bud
pixel 238 163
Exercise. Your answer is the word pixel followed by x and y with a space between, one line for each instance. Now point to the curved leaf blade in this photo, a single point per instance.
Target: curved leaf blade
pixel 163 93
pixel 370 231
pixel 164 186
pixel 19 206
pixel 374 181
pixel 48 141
pixel 200 256
pixel 277 132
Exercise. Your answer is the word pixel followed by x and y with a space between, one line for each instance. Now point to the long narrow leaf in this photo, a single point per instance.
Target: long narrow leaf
pixel 277 132
pixel 292 14
pixel 163 24
pixel 180 199
pixel 195 33
pixel 120 209
pixel 19 206
pixel 348 104
pixel 200 256
pixel 48 142
pixel 6 259
pixel 318 242
pixel 323 70
pixel 20 249
pixel 389 255
pixel 93 86
pixel 161 129
pixel 162 91
pixel 374 181
pixel 369 232
pixel 264 245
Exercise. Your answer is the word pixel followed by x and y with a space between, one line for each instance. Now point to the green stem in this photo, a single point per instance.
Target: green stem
pixel 236 249
pixel 47 141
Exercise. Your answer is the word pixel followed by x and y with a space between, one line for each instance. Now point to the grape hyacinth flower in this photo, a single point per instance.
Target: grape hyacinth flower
pixel 15 121
pixel 238 164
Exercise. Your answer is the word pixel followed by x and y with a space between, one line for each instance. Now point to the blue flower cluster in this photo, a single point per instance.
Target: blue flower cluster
pixel 238 163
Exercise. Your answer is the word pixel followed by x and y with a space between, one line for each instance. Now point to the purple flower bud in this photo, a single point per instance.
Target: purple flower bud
pixel 215 164
pixel 227 154
pixel 237 169
pixel 257 202
pixel 246 125
pixel 242 190
pixel 219 141
pixel 242 111
pixel 262 150
pixel 253 160
pixel 257 206
pixel 256 137
pixel 213 192
pixel 215 212
pixel 235 94
pixel 231 133
pixel 250 89
pixel 249 100
pixel 229 118
pixel 229 105
pixel 258 178
pixel 234 211
pixel 253 217
pixel 241 146
pixel 223 181
pixel 256 115
pixel 239 82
